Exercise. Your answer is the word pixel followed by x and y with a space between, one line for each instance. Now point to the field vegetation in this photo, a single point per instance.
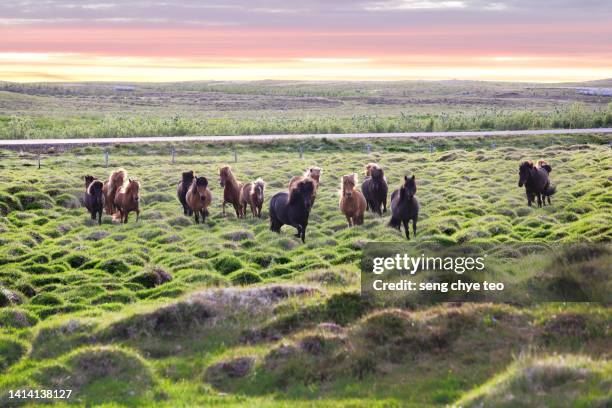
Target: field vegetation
pixel 167 312
pixel 30 111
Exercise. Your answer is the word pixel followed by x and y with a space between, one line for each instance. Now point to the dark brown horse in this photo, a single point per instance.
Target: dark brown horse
pixel 253 194
pixel 293 208
pixel 231 190
pixel 116 179
pixel 127 200
pixel 375 189
pixel 536 182
pixel 199 198
pixel 94 198
pixel 181 190
pixel 405 206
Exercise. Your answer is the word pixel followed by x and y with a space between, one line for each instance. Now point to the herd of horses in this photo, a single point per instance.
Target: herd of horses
pixel 119 195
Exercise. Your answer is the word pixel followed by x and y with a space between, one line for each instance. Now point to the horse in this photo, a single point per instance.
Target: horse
pixel 405 206
pixel 253 194
pixel 375 189
pixel 312 172
pixel 198 198
pixel 181 190
pixel 352 202
pixel 231 190
pixel 94 198
pixel 536 181
pixel 114 182
pixel 127 200
pixel 293 207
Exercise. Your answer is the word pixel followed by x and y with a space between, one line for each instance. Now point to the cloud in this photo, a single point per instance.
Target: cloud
pixel 414 5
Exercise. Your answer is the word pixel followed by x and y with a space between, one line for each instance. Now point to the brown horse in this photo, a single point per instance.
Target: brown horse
pixel 313 173
pixel 110 188
pixel 231 190
pixel 253 194
pixel 127 200
pixel 352 202
pixel 198 198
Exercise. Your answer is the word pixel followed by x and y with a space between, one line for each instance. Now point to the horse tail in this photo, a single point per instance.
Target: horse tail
pixel 394 222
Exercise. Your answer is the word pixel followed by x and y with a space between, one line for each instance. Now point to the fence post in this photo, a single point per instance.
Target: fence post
pixel 493 145
pixel 106 158
pixel 301 150
pixel 431 148
pixel 38 159
pixel 235 156
pixel 368 148
pixel 173 155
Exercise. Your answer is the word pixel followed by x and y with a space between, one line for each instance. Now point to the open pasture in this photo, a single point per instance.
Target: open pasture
pixel 156 304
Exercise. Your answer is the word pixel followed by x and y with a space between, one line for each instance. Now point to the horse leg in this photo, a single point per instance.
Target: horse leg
pixel 224 208
pixel 303 234
pixel 384 205
pixel 406 228
pixel 197 220
pixel 539 197
pixel 414 227
pixel 203 214
pixel 348 219
pixel 126 217
pixel 137 215
pixel 100 216
pixel 238 210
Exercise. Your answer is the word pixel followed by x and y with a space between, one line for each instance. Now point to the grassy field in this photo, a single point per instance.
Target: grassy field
pixel 254 318
pixel 274 107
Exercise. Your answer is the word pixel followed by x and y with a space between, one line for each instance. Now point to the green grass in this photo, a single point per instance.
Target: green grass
pixel 171 313
pixel 32 111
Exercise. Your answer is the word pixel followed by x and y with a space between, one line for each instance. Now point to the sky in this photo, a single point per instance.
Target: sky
pixel 179 40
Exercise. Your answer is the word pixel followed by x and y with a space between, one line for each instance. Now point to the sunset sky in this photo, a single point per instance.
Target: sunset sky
pixel 177 40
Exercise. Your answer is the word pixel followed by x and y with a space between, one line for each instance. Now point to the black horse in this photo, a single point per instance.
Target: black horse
pixel 536 182
pixel 181 190
pixel 293 208
pixel 405 206
pixel 374 189
pixel 94 198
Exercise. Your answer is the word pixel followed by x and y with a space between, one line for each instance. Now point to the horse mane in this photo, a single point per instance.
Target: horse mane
pixel 188 176
pixel 544 165
pixel 94 186
pixel 258 182
pixel 200 181
pixel 295 190
pixel 227 170
pixel 369 167
pixel 128 185
pixel 113 176
pixel 353 175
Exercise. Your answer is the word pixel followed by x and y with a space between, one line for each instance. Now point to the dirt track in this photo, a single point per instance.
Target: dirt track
pixel 263 138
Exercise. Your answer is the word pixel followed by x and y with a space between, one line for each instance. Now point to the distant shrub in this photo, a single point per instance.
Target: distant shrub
pixel 152 278
pixel 68 201
pixel 34 200
pixel 15 318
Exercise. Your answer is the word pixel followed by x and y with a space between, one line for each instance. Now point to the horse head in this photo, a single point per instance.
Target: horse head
pixel 524 172
pixel 348 185
pixel 409 188
pixel 201 184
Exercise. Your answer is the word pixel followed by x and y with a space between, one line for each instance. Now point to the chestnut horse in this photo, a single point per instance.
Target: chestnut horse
pixel 253 194
pixel 231 190
pixel 110 188
pixel 127 200
pixel 352 202
pixel 94 198
pixel 198 198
